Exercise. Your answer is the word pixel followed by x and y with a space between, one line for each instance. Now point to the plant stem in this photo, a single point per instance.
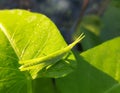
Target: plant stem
pixel 29 83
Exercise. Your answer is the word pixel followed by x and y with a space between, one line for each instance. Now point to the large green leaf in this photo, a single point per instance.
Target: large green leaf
pixel 106 58
pixel 24 36
pixel 98 71
pixel 10 76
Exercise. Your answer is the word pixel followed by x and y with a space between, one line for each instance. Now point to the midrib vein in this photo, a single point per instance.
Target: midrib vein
pixel 9 39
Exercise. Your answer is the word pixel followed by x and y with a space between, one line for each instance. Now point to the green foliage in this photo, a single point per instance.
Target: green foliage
pixel 91 27
pixel 105 62
pixel 98 71
pixel 115 3
pixel 111 24
pixel 32 40
pixel 32 51
pixel 92 23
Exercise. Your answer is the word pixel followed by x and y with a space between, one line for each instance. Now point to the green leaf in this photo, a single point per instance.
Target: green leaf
pixel 25 36
pixel 106 58
pixel 115 3
pixel 98 71
pixel 11 79
pixel 92 23
pixel 111 23
pixel 43 85
pixel 90 26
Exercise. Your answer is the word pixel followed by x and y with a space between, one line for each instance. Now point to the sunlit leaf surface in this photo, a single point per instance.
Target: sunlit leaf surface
pixel 98 71
pixel 24 36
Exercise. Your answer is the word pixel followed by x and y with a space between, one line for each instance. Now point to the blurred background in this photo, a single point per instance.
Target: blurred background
pixel 98 19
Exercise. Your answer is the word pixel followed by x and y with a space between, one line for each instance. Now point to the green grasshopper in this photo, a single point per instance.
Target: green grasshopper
pixel 49 59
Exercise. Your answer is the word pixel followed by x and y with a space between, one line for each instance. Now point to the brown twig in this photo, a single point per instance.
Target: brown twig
pixel 84 7
pixel 78 21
